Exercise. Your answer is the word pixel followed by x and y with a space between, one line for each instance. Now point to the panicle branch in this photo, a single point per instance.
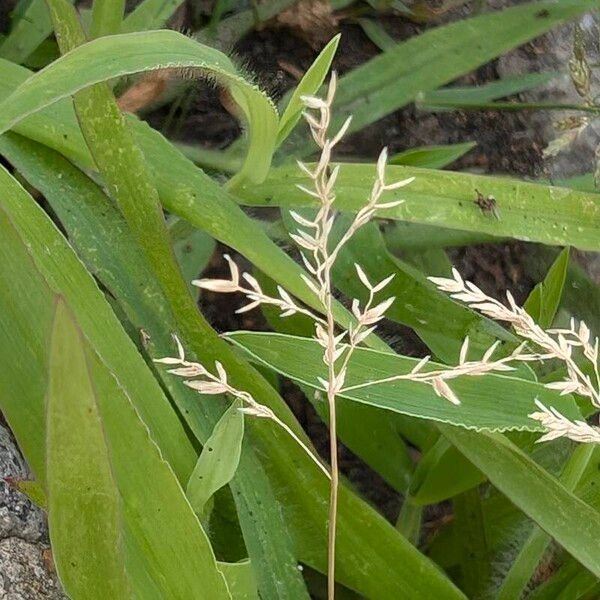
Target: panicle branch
pixel 198 378
pixel 313 236
pixel 438 378
pixel 253 292
pixel 557 344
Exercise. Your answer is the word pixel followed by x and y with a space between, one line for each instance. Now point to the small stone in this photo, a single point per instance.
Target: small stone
pixel 19 517
pixel 24 572
pixel 26 566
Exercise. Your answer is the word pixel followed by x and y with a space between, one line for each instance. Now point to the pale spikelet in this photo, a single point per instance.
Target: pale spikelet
pixel 221 285
pixel 207 387
pixel 362 276
pixel 464 349
pixel 443 390
pixel 258 410
pixel 451 286
pixel 167 360
pixel 390 187
pixel 194 370
pixel 383 283
pixel 301 220
pixel 419 366
pixel 255 294
pixel 216 285
pixel 559 426
pixel 375 314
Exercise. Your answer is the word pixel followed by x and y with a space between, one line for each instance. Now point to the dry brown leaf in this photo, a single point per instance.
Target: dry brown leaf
pixel 293 70
pixel 145 92
pixel 313 20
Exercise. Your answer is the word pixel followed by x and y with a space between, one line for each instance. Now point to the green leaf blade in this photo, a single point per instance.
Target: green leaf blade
pixel 218 460
pixel 430 60
pixel 107 16
pixel 94 63
pixel 432 157
pixel 527 211
pixel 300 359
pixel 94 436
pixel 543 302
pixel 83 501
pixel 308 86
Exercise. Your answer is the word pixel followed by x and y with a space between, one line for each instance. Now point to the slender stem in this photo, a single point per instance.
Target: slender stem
pixel 470 369
pixel 333 493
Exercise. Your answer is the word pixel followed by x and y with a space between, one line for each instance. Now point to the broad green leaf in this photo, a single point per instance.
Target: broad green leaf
pixel 506 526
pixel 572 522
pixel 55 126
pixel 401 236
pixel 36 276
pixel 163 529
pixel 83 501
pixel 107 16
pixel 460 96
pixel 31 28
pixel 377 34
pixel 544 300
pixel 430 261
pixel 307 86
pixel 150 14
pixel 218 460
pixel 137 52
pixel 570 582
pixel 45 53
pixel 432 157
pixel 368 547
pixel 300 359
pixel 410 520
pixel 527 211
pixel 434 58
pixel 94 435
